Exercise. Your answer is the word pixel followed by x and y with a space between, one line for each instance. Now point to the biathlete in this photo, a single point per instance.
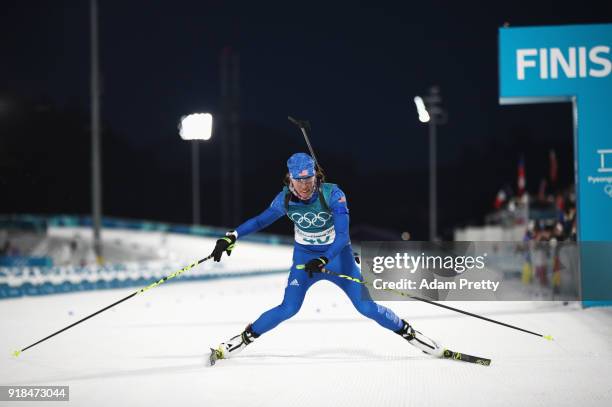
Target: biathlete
pixel 320 214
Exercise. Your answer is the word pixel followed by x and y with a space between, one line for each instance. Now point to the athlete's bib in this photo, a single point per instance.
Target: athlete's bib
pixel 325 237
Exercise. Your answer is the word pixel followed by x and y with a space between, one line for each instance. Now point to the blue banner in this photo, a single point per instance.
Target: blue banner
pixel 571 63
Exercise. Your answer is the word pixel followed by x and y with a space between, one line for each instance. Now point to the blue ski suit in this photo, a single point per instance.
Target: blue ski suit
pixel 319 231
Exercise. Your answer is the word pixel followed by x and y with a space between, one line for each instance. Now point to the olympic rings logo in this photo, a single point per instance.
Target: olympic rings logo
pixel 310 219
pixel 608 190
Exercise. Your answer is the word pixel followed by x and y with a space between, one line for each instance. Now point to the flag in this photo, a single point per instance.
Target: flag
pixel 521 182
pixel 500 198
pixel 553 167
pixel 542 190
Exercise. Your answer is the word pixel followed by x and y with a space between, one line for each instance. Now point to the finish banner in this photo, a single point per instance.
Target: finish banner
pixel 572 63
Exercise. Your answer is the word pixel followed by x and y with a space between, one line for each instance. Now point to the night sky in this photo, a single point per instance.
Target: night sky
pixel 351 68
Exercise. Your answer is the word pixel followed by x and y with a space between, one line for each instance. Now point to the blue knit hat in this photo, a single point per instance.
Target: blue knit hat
pixel 301 165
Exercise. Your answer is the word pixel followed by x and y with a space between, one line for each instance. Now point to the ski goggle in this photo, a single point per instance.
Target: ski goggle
pixel 304 180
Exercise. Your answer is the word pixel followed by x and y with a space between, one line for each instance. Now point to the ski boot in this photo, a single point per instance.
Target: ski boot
pixel 233 346
pixel 415 338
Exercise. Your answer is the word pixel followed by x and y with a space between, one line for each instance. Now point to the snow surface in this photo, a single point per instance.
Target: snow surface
pixel 150 350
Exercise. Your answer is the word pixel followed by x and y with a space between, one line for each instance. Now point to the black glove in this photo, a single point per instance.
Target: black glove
pixel 315 265
pixel 225 244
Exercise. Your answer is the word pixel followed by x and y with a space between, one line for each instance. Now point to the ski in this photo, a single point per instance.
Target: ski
pixel 449 354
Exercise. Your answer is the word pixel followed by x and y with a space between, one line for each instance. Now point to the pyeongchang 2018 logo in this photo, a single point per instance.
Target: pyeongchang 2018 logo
pixel 573 62
pixel 605 167
pixel 310 219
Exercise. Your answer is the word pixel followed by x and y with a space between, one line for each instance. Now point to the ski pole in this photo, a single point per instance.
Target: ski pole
pixel 364 282
pixel 142 290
